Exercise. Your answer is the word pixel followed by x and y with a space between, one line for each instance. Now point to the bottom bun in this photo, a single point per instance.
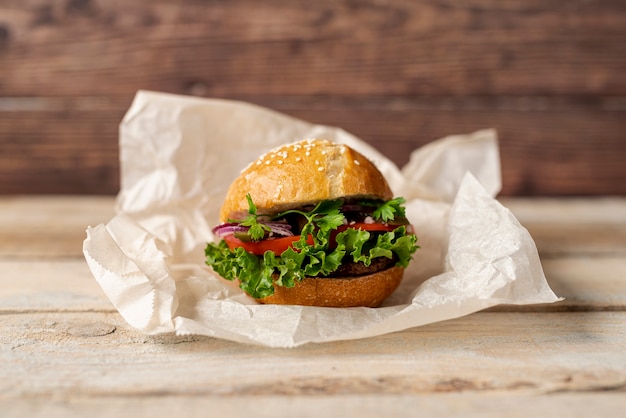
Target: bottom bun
pixel 369 290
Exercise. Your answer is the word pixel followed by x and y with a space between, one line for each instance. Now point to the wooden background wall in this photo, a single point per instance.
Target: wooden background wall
pixel 549 75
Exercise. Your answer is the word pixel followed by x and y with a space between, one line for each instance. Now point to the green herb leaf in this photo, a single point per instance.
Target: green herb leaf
pixel 386 211
pixel 256 230
pixel 327 206
pixel 320 221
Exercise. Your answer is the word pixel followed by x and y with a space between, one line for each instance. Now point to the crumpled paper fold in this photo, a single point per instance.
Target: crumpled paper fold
pixel 179 155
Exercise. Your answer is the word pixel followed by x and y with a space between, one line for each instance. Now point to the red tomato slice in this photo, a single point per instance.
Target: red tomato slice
pixel 276 245
pixel 280 245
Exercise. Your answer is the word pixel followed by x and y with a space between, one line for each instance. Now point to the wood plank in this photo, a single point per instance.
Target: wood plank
pixel 548 146
pixel 85 355
pixel 452 405
pixel 587 227
pixel 60 151
pixel 39 227
pixel 34 285
pixel 597 283
pixel 335 48
pixel 550 211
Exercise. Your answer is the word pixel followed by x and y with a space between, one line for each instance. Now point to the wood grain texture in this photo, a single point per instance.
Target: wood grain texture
pixel 547 146
pixel 96 354
pixel 587 284
pixel 547 75
pixel 50 285
pixel 345 48
pixel 49 227
pixel 435 405
pixel 66 351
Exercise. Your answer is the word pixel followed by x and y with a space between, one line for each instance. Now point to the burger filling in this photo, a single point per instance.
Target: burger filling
pixel 335 238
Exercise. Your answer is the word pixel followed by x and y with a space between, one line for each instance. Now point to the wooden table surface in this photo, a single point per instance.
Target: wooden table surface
pixel 65 350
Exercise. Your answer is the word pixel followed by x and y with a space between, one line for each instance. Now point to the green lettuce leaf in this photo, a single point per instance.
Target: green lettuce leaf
pixel 257 273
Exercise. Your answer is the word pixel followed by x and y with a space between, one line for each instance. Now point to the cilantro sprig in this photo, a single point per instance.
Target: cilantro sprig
pixel 320 221
pixel 256 230
pixel 387 211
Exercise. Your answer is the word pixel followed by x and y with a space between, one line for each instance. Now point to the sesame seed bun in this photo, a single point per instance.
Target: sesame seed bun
pixel 302 173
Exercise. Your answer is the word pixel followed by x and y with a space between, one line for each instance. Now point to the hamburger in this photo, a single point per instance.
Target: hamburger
pixel 313 223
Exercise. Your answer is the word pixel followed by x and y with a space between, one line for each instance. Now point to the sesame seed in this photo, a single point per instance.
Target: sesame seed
pixel 298 159
pixel 320 168
pixel 308 154
pixel 317 162
pixel 258 162
pixel 267 163
pixel 280 161
pixel 356 162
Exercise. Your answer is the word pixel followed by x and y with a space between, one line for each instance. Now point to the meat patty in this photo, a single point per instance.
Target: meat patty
pixel 360 269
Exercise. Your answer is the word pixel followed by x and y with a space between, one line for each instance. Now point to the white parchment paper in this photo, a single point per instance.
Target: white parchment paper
pixel 179 155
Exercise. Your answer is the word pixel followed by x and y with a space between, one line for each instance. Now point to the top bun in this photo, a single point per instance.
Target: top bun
pixel 303 173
